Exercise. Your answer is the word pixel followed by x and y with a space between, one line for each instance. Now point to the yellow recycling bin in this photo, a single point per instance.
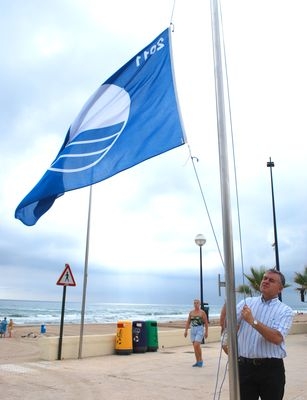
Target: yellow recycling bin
pixel 123 342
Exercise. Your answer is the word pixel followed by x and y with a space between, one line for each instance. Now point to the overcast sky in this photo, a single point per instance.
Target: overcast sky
pixel 56 53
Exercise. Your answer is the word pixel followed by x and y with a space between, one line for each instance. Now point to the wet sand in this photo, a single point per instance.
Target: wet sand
pixel 23 345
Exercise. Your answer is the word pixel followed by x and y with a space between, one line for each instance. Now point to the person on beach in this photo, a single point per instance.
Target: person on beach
pixel 10 327
pixel 224 339
pixel 198 323
pixel 263 324
pixel 3 326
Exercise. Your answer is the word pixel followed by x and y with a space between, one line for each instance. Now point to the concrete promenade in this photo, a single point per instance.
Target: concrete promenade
pixel 165 374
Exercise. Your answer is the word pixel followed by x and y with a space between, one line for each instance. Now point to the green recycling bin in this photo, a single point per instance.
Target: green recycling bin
pixel 152 335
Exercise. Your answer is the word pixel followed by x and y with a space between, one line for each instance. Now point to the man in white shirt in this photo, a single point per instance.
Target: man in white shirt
pixel 264 322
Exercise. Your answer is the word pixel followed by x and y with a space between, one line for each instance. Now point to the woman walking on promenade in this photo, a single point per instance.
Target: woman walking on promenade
pixel 198 322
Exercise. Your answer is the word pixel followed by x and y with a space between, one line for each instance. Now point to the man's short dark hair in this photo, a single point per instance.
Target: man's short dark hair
pixel 282 277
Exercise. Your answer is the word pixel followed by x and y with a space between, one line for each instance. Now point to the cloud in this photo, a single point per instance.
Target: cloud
pixel 144 220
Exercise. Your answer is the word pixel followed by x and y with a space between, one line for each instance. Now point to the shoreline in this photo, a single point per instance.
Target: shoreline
pixel 30 330
pixel 69 329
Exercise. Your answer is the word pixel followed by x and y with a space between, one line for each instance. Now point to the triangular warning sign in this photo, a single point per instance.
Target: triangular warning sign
pixel 66 279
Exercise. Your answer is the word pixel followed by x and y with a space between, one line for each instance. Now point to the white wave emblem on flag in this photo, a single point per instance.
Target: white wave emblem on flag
pixel 95 130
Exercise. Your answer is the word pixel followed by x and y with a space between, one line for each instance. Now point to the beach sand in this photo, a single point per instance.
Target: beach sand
pixel 23 345
pixel 164 375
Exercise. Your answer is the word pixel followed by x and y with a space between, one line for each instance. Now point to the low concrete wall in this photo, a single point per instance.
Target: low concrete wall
pixel 92 345
pixel 298 328
pixel 100 345
pixel 174 337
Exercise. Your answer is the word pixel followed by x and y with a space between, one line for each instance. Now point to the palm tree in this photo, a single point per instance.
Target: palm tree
pixel 245 289
pixel 256 277
pixel 301 279
pixel 255 280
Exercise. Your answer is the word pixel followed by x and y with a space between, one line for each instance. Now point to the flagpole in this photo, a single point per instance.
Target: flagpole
pixel 85 273
pixel 234 389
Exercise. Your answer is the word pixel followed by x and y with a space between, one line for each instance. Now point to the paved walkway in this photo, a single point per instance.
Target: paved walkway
pixel 164 375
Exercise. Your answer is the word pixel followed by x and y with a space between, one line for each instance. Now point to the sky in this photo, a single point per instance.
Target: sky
pixel 55 54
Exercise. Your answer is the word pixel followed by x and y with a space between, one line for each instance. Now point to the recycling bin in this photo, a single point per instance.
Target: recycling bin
pixel 152 335
pixel 43 329
pixel 139 337
pixel 123 340
pixel 206 309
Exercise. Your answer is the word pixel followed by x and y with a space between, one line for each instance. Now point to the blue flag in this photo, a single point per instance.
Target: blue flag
pixel 132 117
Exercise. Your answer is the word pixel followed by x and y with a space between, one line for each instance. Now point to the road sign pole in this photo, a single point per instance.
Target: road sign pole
pixel 62 324
pixel 66 279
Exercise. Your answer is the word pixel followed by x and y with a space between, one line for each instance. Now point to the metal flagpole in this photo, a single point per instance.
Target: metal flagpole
pixel 85 273
pixel 234 389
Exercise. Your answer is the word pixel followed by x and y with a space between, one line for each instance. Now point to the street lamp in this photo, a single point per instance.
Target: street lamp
pixel 200 241
pixel 271 164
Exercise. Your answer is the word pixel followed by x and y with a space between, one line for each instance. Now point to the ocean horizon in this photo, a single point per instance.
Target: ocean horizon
pixel 35 312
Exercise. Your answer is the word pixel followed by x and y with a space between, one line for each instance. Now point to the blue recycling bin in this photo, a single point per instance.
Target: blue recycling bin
pixel 43 328
pixel 139 337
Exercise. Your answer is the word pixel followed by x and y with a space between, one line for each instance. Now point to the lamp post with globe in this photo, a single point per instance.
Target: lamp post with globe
pixel 200 241
pixel 271 164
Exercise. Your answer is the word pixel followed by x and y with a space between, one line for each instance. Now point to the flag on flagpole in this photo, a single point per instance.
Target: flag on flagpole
pixel 132 117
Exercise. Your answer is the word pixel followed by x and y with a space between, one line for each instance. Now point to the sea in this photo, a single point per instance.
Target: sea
pixel 32 312
pixel 29 312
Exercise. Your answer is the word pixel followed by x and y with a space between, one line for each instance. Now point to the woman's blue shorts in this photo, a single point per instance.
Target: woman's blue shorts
pixel 197 333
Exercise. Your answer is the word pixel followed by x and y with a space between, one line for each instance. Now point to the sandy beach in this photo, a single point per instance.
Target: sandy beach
pixel 23 345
